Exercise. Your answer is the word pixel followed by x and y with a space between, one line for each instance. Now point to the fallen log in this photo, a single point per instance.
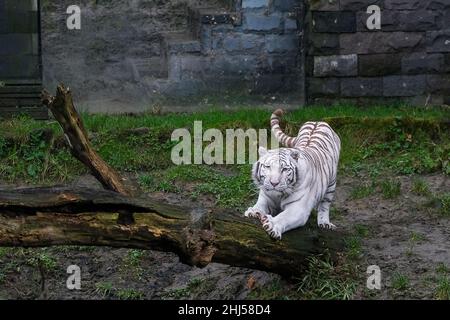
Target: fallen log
pixel 37 217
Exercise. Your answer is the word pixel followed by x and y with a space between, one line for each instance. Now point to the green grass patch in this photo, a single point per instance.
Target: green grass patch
pixel 129 294
pixel 401 139
pixel 323 280
pixel 194 287
pixel 362 191
pixel 420 187
pixel 400 282
pixel 443 288
pixel 391 188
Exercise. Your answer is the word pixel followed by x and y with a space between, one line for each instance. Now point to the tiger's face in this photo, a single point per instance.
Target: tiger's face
pixel 276 170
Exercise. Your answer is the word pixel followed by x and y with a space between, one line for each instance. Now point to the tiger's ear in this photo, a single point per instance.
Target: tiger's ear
pixel 295 155
pixel 262 151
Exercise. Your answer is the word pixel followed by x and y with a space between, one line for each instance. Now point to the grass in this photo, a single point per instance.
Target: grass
pixel 443 288
pixel 362 191
pixel 129 294
pixel 195 286
pixel 416 237
pixel 444 200
pixel 323 280
pixel 400 282
pixel 401 139
pixel 420 187
pixel 107 290
pixel 104 289
pixel 131 264
pixel 391 188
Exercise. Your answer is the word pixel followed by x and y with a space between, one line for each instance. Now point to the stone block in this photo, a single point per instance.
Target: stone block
pixel 323 44
pixel 339 66
pixel 323 5
pixel 379 64
pixel 290 24
pixel 334 22
pixel 417 63
pixel 243 42
pixel 404 4
pixel 404 86
pixel 357 5
pixel 285 5
pixel 438 41
pixel 251 4
pixel 323 87
pixel 259 22
pixel 282 43
pixel 439 83
pixel 380 42
pixel 437 4
pixel 361 87
pixel 417 20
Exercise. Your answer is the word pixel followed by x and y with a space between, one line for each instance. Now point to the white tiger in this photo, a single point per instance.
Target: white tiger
pixel 295 180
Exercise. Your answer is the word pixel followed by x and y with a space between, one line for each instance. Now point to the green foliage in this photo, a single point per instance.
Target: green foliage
pixel 42 259
pixel 324 281
pixel 104 289
pixel 400 282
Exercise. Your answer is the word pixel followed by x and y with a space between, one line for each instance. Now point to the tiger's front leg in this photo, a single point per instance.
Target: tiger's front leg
pixel 261 208
pixel 294 216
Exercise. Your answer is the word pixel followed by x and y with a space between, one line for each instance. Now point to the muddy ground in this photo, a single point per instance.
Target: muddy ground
pixel 405 236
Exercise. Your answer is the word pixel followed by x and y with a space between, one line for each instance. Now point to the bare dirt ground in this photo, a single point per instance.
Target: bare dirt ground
pixel 405 236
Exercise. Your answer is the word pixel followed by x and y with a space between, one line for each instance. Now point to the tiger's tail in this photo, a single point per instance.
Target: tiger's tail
pixel 283 138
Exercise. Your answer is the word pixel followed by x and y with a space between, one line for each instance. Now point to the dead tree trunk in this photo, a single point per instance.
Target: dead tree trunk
pixel 63 109
pixel 39 217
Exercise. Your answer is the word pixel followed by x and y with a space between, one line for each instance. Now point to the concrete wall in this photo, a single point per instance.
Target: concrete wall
pixel 408 59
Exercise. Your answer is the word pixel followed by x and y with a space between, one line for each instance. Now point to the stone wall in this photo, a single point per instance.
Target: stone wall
pixel 407 59
pixel 132 54
pixel 109 62
pixel 256 49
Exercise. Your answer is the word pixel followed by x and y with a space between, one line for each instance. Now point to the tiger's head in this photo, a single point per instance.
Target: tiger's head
pixel 276 170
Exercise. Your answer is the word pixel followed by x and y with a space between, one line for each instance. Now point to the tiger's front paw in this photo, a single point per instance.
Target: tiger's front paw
pixel 253 212
pixel 327 226
pixel 271 228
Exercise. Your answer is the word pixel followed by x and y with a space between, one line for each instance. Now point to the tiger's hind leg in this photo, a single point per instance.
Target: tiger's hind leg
pixel 323 209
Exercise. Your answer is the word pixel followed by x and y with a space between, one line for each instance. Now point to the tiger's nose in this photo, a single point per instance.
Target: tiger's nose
pixel 274 183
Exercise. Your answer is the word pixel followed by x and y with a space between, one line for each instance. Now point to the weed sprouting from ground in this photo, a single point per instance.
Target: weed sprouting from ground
pixel 400 282
pixel 443 288
pixel 420 187
pixel 391 188
pixel 324 280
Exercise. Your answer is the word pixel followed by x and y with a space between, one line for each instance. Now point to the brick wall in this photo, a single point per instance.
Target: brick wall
pixel 407 59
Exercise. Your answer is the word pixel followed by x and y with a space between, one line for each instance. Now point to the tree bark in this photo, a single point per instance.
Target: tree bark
pixel 37 217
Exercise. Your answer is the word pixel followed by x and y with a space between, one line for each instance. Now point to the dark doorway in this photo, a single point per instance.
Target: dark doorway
pixel 20 58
